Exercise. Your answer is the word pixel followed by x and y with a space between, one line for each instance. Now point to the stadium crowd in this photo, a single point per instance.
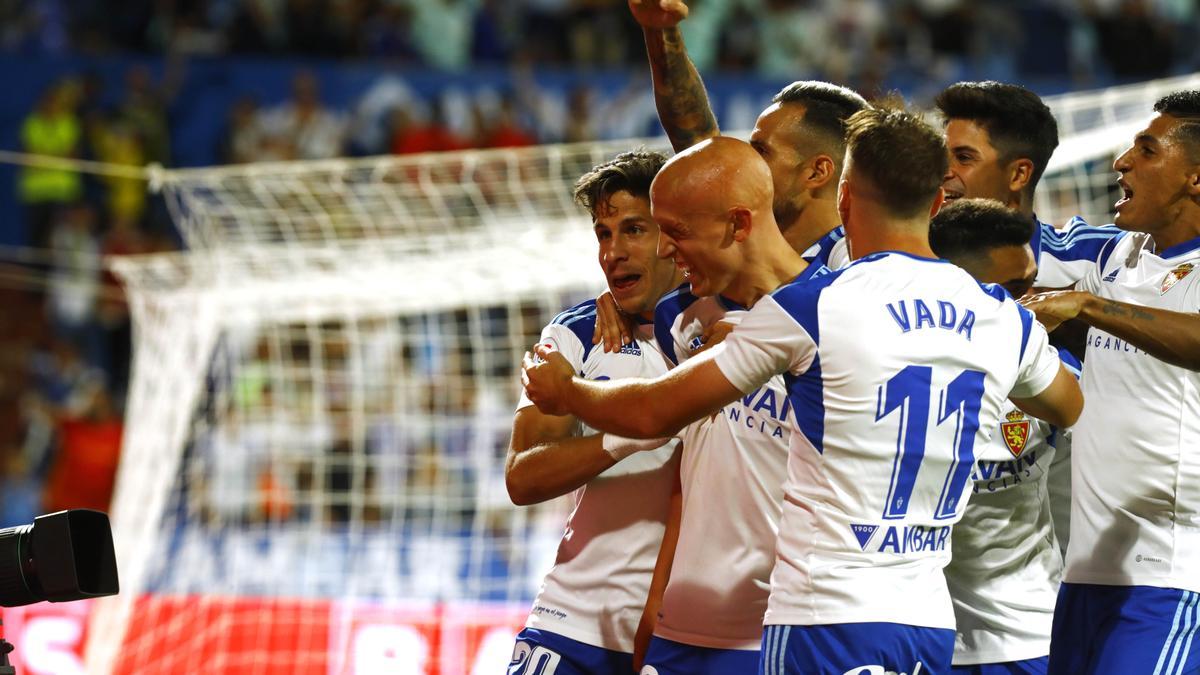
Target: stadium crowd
pixel 778 37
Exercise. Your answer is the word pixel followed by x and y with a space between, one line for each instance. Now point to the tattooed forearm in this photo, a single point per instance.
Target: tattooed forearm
pixel 1126 311
pixel 1170 336
pixel 683 106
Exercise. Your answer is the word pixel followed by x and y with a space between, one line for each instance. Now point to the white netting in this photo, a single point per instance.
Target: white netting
pixel 312 478
pixel 321 401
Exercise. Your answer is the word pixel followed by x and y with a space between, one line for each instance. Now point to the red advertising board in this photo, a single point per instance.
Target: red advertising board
pixel 189 634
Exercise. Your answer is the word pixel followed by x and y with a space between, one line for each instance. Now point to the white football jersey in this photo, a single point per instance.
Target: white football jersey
pixel 731 472
pixel 598 586
pixel 1007 562
pixel 1065 256
pixel 1135 517
pixel 897 368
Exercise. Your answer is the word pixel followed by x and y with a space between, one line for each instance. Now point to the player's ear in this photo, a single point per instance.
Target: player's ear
pixel 1020 174
pixel 821 170
pixel 938 201
pixel 741 223
pixel 1193 182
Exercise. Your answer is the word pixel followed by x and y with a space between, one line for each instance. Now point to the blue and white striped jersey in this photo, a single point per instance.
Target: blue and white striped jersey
pixel 896 368
pixel 598 586
pixel 1065 256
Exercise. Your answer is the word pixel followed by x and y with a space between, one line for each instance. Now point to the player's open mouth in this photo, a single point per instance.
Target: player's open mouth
pixel 625 282
pixel 952 194
pixel 1127 195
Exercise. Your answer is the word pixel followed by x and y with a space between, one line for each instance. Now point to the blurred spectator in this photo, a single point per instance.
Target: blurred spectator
pixel 52 129
pixel 544 27
pixel 303 128
pixel 493 33
pixel 387 34
pixel 409 136
pixel 441 30
pixel 145 109
pixel 503 129
pixel 1135 42
pixel 256 27
pixel 702 31
pixel 119 143
pixel 75 278
pixel 84 470
pixel 795 38
pixel 244 137
pixel 599 33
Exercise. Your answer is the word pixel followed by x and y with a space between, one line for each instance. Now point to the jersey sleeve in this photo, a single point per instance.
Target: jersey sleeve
pixel 567 343
pixel 1039 361
pixel 1068 255
pixel 769 340
pixel 666 323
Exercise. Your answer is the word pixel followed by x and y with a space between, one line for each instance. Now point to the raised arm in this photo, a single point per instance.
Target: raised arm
pixel 683 107
pixel 638 408
pixel 1172 337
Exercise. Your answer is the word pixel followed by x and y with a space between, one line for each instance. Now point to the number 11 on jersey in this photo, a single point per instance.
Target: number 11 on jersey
pixel 910 392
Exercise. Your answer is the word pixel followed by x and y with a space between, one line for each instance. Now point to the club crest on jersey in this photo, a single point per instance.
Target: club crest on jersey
pixel 1174 276
pixel 1015 432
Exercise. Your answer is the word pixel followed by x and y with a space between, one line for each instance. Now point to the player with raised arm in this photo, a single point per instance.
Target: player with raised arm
pixel 585 615
pixel 1000 137
pixel 1130 598
pixel 713 206
pixel 894 366
pixel 1006 560
pixel 800 137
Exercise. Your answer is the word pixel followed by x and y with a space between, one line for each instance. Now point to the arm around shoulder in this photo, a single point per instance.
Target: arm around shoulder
pixel 1060 404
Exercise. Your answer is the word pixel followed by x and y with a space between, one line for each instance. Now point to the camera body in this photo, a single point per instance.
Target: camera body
pixel 60 557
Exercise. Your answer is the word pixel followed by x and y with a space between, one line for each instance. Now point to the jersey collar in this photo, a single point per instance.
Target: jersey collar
pixel 1180 249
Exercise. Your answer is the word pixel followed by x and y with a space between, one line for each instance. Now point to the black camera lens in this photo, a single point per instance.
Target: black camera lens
pixel 61 557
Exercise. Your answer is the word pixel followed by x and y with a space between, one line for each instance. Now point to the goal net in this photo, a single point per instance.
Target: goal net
pixel 323 386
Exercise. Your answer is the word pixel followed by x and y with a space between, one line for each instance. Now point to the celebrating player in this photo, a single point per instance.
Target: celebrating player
pixel 585 615
pixel 1130 600
pixel 893 366
pixel 1006 564
pixel 713 204
pixel 1000 137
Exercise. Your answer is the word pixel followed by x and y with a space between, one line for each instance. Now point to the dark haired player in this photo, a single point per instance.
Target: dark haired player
pixel 587 611
pixel 1130 598
pixel 1000 137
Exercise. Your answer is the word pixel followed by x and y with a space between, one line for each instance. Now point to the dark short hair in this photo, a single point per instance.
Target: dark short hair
pixel 969 228
pixel 631 172
pixel 1185 106
pixel 826 109
pixel 900 154
pixel 1018 123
